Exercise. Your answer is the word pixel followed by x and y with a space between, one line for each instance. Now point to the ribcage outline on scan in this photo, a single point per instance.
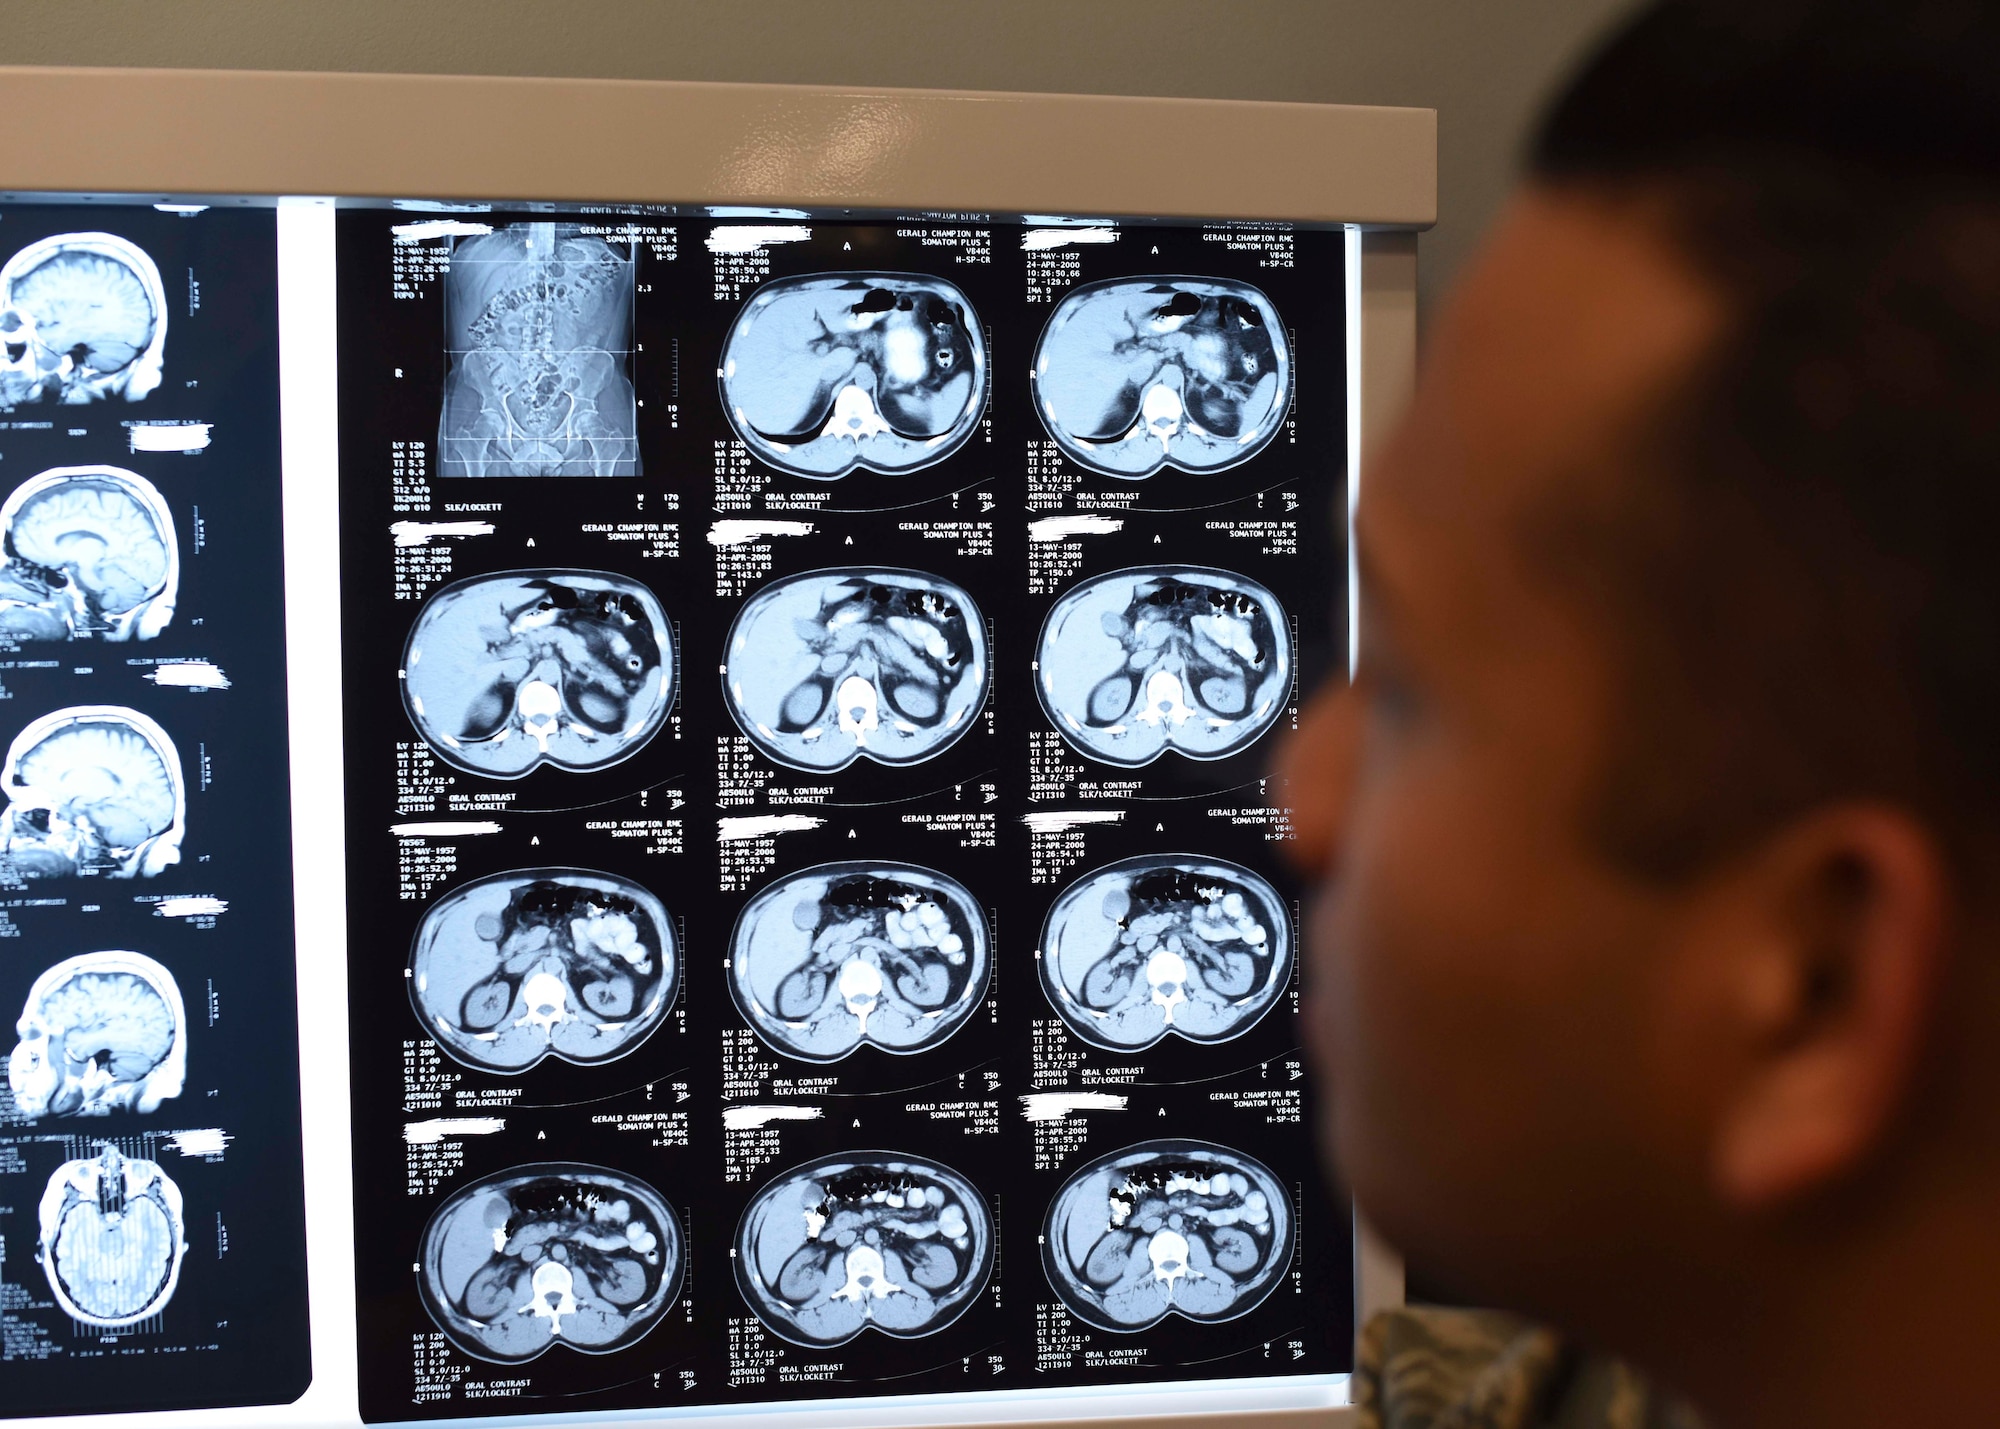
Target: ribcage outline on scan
pixel 556 1253
pixel 887 954
pixel 87 551
pixel 92 790
pixel 506 672
pixel 85 319
pixel 1140 661
pixel 544 962
pixel 1133 374
pixel 826 373
pixel 113 1236
pixel 863 1240
pixel 538 318
pixel 1165 944
pixel 832 666
pixel 1167 1227
pixel 100 1032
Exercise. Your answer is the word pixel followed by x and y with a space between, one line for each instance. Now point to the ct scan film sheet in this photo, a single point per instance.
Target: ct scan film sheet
pixel 152 1237
pixel 817 921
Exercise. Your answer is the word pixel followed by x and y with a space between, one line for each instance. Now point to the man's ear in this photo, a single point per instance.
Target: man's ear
pixel 1315 769
pixel 1849 909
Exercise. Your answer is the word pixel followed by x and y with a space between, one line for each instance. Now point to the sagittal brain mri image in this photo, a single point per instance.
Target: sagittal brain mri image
pixel 824 374
pixel 868 1240
pixel 887 954
pixel 93 790
pixel 1135 374
pixel 544 962
pixel 1165 945
pixel 551 1254
pixel 101 1032
pixel 1138 662
pixel 87 552
pixel 507 672
pixel 832 666
pixel 112 1238
pixel 538 318
pixel 1167 1228
pixel 85 320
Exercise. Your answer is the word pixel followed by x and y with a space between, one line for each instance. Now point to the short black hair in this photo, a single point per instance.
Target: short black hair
pixel 1814 589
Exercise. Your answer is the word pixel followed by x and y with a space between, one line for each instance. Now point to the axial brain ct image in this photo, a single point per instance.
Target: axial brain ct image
pixel 539 325
pixel 851 953
pixel 824 374
pixel 1134 374
pixel 94 790
pixel 864 1240
pixel 506 672
pixel 1167 1228
pixel 543 962
pixel 551 1254
pixel 87 552
pixel 1140 661
pixel 85 319
pixel 101 1032
pixel 1195 947
pixel 112 1238
pixel 825 668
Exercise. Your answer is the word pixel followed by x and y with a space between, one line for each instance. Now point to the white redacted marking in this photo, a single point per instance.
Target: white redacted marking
pixel 1061 528
pixel 186 210
pixel 749 1118
pixel 430 1133
pixel 724 210
pixel 1037 240
pixel 189 675
pixel 169 436
pixel 1054 1106
pixel 193 905
pixel 758 826
pixel 438 228
pixel 444 829
pixel 209 1141
pixel 755 237
pixel 738 533
pixel 419 533
pixel 1062 823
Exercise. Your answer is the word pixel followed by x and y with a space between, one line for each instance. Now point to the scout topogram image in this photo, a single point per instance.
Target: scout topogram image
pixel 538 322
pixel 87 552
pixel 832 666
pixel 1134 374
pixel 867 1240
pixel 93 790
pixel 1140 661
pixel 112 1238
pixel 887 954
pixel 1174 945
pixel 543 962
pixel 552 1254
pixel 101 1032
pixel 1167 1228
pixel 507 672
pixel 85 320
pixel 824 374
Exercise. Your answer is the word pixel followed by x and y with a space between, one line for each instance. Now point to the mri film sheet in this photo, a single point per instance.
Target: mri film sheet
pixel 538 355
pixel 87 552
pixel 101 1032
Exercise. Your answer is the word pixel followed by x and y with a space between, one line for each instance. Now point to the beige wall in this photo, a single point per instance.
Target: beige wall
pixel 1481 63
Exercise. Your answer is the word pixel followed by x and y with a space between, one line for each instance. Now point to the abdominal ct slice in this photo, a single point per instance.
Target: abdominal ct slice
pixel 1165 945
pixel 101 1032
pixel 1164 1228
pixel 887 954
pixel 827 373
pixel 544 962
pixel 92 790
pixel 871 1240
pixel 825 668
pixel 555 1253
pixel 87 552
pixel 507 672
pixel 112 1238
pixel 1140 661
pixel 1133 374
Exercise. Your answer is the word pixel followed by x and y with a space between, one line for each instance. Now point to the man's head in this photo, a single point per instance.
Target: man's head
pixel 1660 956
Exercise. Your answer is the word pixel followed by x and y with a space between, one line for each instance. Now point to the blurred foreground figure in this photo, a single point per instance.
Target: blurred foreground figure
pixel 1656 985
